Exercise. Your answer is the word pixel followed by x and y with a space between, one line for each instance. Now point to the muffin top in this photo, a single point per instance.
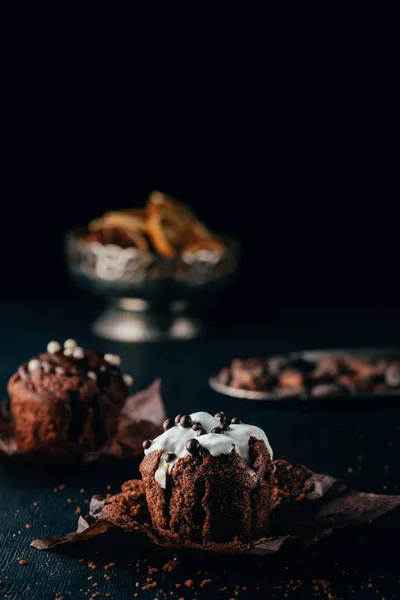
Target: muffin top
pixel 62 369
pixel 187 435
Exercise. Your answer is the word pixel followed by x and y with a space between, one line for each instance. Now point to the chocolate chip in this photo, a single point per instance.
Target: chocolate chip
pixel 221 416
pixel 225 427
pixel 169 457
pixel 177 418
pixel 217 430
pixel 192 446
pixel 168 423
pixel 236 421
pixel 201 432
pixel 185 421
pixel 196 426
pixel 146 444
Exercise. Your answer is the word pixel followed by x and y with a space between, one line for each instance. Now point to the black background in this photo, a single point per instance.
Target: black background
pixel 292 154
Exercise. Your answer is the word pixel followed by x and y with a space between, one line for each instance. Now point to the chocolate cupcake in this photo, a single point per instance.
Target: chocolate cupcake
pixel 208 482
pixel 67 395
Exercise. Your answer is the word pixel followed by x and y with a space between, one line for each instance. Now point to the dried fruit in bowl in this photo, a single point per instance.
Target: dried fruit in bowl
pixel 171 225
pixel 133 219
pixel 165 225
pixel 121 237
pixel 210 244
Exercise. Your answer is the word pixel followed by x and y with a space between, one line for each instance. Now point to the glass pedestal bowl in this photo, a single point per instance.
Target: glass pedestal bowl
pixel 149 297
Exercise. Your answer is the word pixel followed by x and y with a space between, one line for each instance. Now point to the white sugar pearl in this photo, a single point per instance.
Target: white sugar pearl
pixel 128 380
pixel 70 344
pixel 53 347
pixel 68 352
pixel 78 352
pixel 92 375
pixel 113 359
pixel 33 364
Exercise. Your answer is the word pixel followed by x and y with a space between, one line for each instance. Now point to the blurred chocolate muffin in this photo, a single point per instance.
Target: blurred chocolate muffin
pixel 67 395
pixel 208 481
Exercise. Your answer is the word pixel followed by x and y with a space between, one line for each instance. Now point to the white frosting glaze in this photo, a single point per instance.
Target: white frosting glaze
pixel 174 441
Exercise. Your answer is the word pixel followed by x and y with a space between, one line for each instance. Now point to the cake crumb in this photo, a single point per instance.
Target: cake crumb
pixel 78 510
pixel 22 562
pixel 152 570
pixel 189 583
pixel 171 565
pixel 148 586
pixel 27 526
pixel 205 582
pixel 62 487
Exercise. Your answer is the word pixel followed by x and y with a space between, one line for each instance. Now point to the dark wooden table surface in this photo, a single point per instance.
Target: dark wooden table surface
pixel 360 445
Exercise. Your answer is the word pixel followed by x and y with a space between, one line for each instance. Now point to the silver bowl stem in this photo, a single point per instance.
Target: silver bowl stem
pixel 134 320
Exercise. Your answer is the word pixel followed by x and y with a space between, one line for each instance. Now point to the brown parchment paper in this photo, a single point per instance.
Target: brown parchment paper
pixel 307 507
pixel 141 418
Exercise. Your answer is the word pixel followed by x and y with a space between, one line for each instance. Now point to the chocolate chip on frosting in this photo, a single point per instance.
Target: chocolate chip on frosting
pixel 113 359
pixel 169 457
pixel 236 421
pixel 53 347
pixel 188 440
pixel 185 421
pixel 177 418
pixel 146 444
pixel 33 364
pixel 192 446
pixel 221 416
pixel 217 430
pixel 128 380
pixel 168 423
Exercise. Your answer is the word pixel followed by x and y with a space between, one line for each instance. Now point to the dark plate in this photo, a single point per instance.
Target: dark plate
pixel 374 353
